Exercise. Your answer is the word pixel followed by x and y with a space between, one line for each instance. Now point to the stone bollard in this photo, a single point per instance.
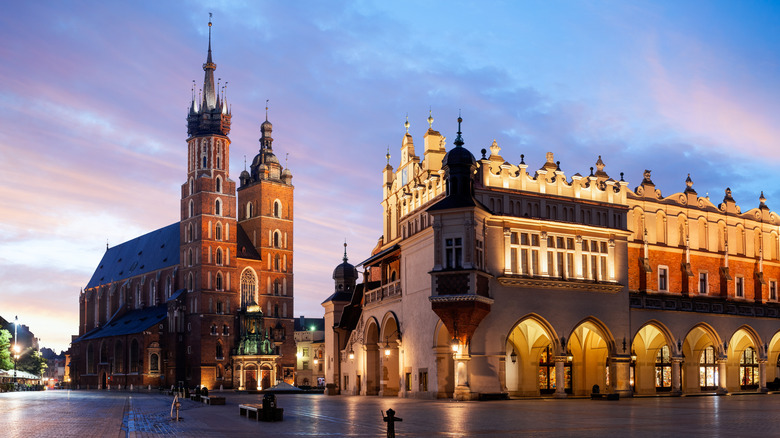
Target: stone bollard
pixel 131 387
pixel 390 419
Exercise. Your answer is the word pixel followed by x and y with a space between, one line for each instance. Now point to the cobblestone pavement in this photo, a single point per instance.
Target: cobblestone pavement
pixel 140 414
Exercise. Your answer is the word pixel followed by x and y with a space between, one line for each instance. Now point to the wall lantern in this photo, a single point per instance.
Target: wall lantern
pixel 351 354
pixel 454 344
pixel 513 356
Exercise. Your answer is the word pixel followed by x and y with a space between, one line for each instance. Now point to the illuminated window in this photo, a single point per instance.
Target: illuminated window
pixel 154 362
pixel 748 369
pixel 248 287
pixel 708 369
pixel 663 369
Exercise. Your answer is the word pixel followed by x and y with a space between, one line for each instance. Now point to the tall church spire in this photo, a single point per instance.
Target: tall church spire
pixel 209 92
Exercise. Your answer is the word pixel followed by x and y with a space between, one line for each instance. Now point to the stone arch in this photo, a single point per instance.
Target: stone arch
pixel 648 341
pixel 697 340
pixel 371 343
pixel 445 365
pixel 590 344
pixel 390 340
pixel 530 347
pixel 773 357
pixel 739 375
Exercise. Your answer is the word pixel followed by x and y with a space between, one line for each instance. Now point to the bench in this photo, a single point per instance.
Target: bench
pixel 212 400
pixel 256 411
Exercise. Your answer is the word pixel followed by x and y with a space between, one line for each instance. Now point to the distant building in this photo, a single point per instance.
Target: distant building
pixel 310 342
pixel 493 279
pixel 207 300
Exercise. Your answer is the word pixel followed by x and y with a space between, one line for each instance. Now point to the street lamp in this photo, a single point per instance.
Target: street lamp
pixel 16 358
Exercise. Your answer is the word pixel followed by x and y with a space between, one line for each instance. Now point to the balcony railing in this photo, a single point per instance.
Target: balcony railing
pixel 389 290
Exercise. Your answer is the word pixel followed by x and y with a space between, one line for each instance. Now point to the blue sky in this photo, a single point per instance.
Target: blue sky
pixel 94 98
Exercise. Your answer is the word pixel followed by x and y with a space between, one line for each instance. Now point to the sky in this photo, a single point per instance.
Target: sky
pixel 94 97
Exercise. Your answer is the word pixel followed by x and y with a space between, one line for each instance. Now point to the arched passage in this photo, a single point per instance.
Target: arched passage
pixel 371 346
pixel 390 378
pixel 590 345
pixel 702 350
pixel 652 351
pixel 531 348
pixel 445 365
pixel 742 365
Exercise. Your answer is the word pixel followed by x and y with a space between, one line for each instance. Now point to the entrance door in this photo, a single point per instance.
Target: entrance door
pixel 103 381
pixel 266 380
pixel 251 380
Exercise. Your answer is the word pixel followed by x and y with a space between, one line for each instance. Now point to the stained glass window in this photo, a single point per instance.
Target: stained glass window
pixel 663 369
pixel 748 369
pixel 708 369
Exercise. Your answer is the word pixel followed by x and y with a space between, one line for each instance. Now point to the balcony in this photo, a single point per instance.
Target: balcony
pixel 387 291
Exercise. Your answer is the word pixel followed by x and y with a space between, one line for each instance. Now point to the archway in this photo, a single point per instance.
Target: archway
pixel 531 348
pixel 390 377
pixel 651 359
pixel 445 365
pixel 742 365
pixel 265 377
pixel 371 346
pixel 773 358
pixel 103 380
pixel 250 377
pixel 590 345
pixel 701 352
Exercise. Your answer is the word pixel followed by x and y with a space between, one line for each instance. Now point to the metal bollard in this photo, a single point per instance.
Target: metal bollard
pixel 390 419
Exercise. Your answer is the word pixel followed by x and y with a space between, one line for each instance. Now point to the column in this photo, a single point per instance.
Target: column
pixel 676 383
pixel 722 389
pixel 508 252
pixel 762 376
pixel 241 377
pixel 560 377
pixel 462 389
pixel 622 367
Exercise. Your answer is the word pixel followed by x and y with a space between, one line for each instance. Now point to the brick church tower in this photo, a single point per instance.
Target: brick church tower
pixel 208 232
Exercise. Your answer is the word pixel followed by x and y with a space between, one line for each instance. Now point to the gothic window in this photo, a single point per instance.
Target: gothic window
pixel 119 359
pixel 219 281
pixel 248 287
pixel 663 369
pixel 189 282
pixel 276 262
pixel 249 210
pixel 773 290
pixel 276 310
pixel 277 208
pixel 152 293
pixel 90 359
pixel 277 239
pixel 168 287
pixel 546 371
pixel 192 186
pixel 748 369
pixel 134 357
pixel 219 307
pixel 213 329
pixel 192 209
pixel 708 369
pixel 217 207
pixel 218 157
pixel 189 257
pixel 276 287
pixel 104 352
pixel 138 296
pixel 453 250
pixel 218 232
pixel 204 161
pixel 219 181
pixel 219 372
pixel 154 362
pixel 225 330
pixel 219 350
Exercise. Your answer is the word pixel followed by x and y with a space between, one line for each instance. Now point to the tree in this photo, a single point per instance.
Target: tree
pixel 5 350
pixel 32 362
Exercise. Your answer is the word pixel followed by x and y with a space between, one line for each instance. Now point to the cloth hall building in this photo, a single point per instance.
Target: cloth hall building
pixel 207 300
pixel 494 279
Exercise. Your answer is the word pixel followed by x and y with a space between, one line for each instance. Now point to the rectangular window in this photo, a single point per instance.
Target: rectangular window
pixel 305 352
pixel 663 279
pixel 346 383
pixel 453 248
pixel 773 290
pixel 703 284
pixel 479 254
pixel 305 365
pixel 423 381
pixel 739 287
pixel 408 381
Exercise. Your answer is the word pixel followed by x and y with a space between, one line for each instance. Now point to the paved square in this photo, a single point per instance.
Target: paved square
pixel 140 414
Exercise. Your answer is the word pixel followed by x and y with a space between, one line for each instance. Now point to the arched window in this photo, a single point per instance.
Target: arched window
pixel 204 161
pixel 277 208
pixel 277 239
pixel 218 163
pixel 189 257
pixel 104 352
pixel 189 282
pixel 218 231
pixel 708 369
pixel 214 329
pixel 217 207
pixel 134 358
pixel 192 186
pixel 249 210
pixel 546 371
pixel 154 363
pixel 119 358
pixel 276 287
pixel 152 293
pixel 219 256
pixel 748 369
pixel 90 360
pixel 219 372
pixel 168 287
pixel 276 262
pixel 219 281
pixel 192 209
pixel 276 310
pixel 219 350
pixel 225 330
pixel 248 287
pixel 663 370
pixel 218 183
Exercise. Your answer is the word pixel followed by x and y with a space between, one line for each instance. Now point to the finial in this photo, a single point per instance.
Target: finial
pixel 286 157
pixel 621 176
pixel 406 123
pixel 345 250
pixel 106 243
pixel 689 181
pixel 388 155
pixel 459 140
pixel 558 164
pixel 522 159
pixel 430 118
pixel 244 162
pixel 591 171
pixel 266 110
pixel 761 198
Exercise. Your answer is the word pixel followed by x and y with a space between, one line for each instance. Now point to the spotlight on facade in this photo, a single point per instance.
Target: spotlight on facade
pixel 513 356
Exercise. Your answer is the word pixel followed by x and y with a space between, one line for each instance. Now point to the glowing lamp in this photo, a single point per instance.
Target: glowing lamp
pixel 454 344
pixel 351 354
